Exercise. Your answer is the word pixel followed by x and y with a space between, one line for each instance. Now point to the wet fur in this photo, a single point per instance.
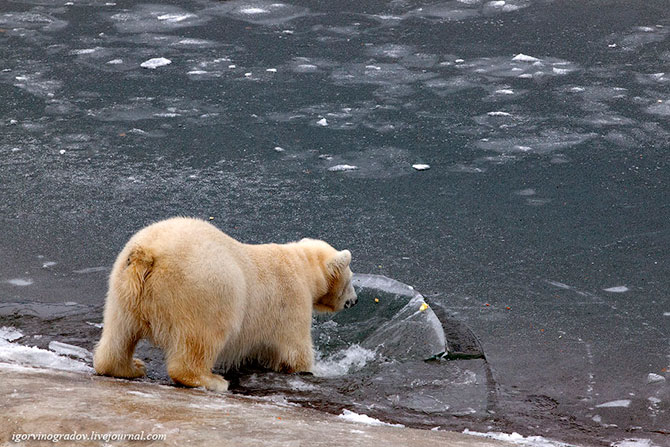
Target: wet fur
pixel 204 297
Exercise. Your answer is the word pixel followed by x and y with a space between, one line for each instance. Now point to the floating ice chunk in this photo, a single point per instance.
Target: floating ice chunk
pixel 498 114
pixel 421 167
pixel 155 63
pixel 85 51
pixel 253 11
pixel 350 416
pixel 623 403
pixel 322 122
pixel 279 149
pixel 338 168
pixel 655 378
pixel 666 314
pixel 98 325
pixel 271 70
pixel 525 58
pixel 617 289
pixel 62 151
pixel 343 361
pixel 306 68
pixel 10 333
pixel 48 264
pixel 561 71
pixel 41 358
pixel 115 62
pixel 70 350
pixel 175 17
pixel 505 91
pixel 21 282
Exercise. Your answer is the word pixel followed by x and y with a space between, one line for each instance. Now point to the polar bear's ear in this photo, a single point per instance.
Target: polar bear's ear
pixel 339 262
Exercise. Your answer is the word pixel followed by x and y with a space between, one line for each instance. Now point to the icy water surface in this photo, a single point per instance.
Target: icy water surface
pixel 509 159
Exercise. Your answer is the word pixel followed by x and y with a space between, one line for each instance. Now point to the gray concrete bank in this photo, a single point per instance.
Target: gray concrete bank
pixel 50 402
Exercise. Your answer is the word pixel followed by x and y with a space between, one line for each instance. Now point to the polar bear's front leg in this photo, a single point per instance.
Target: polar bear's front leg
pixel 295 357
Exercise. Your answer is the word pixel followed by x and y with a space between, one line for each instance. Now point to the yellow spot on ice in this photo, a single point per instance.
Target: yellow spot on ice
pixel 423 307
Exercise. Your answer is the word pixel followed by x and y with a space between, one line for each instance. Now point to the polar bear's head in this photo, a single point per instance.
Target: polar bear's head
pixel 340 293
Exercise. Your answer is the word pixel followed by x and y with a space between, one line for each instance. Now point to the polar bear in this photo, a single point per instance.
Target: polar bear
pixel 202 296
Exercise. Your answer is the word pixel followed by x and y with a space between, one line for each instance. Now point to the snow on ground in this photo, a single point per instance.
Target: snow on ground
pixel 623 403
pixel 516 438
pixel 70 350
pixel 15 354
pixel 10 333
pixel 364 419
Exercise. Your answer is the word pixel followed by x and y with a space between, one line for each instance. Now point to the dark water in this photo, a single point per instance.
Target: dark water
pixel 542 223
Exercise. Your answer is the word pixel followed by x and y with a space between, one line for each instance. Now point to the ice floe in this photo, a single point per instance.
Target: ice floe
pixel 155 63
pixel 617 289
pixel 339 168
pixel 421 166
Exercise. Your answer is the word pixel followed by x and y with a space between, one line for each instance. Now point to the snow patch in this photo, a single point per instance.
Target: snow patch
pixel 350 416
pixel 39 358
pixel 10 333
pixel 516 438
pixel 655 378
pixel 634 442
pixel 623 403
pixel 70 350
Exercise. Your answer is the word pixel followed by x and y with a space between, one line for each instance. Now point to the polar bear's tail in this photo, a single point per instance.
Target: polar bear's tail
pixel 138 267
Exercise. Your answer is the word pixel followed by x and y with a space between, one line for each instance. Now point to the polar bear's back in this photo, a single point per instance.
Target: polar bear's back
pixel 196 275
